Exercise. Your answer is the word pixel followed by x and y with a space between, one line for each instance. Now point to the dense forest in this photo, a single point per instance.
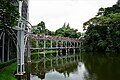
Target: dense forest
pixel 64 31
pixel 103 31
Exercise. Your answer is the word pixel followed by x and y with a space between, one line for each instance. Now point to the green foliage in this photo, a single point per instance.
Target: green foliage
pixel 2 65
pixel 8 14
pixel 33 43
pixel 40 28
pixel 103 31
pixel 66 31
pixel 7 73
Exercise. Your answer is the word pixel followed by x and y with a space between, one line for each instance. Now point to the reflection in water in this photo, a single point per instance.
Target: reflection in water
pixel 75 67
pixel 102 67
pixel 55 75
pixel 63 68
pixel 75 75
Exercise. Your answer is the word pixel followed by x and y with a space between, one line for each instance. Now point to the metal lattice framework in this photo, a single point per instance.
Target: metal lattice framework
pixel 48 37
pixel 64 42
pixel 60 43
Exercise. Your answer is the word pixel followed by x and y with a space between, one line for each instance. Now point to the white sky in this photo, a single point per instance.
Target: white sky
pixel 55 12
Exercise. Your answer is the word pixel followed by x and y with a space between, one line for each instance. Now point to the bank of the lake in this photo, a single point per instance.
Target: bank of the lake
pixel 46 52
pixel 7 73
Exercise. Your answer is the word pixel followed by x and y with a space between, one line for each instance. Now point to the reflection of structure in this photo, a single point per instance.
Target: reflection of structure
pixel 41 75
pixel 63 64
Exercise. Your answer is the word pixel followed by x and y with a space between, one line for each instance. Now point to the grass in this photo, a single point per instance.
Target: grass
pixel 7 73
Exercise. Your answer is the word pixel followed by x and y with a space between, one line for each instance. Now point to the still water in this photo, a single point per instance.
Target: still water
pixel 76 67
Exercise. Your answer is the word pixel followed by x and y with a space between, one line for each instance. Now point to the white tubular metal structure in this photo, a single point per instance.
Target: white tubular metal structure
pixel 23 36
pixel 61 43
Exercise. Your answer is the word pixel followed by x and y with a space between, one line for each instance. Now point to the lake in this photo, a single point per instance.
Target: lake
pixel 81 66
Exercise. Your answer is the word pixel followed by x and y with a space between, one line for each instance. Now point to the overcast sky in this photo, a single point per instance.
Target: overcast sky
pixel 55 12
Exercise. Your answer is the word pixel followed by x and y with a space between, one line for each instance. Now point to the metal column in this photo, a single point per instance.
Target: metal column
pixel 3 47
pixel 20 44
pixel 57 48
pixel 28 50
pixel 37 44
pixel 66 49
pixel 61 48
pixel 51 46
pixel 74 48
pixel 44 46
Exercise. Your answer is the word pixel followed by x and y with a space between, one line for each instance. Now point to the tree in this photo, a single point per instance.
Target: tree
pixel 40 28
pixel 66 31
pixel 8 15
pixel 103 31
pixel 8 19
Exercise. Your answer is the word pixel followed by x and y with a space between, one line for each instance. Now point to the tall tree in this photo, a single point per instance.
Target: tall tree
pixel 103 30
pixel 66 31
pixel 39 28
pixel 8 15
